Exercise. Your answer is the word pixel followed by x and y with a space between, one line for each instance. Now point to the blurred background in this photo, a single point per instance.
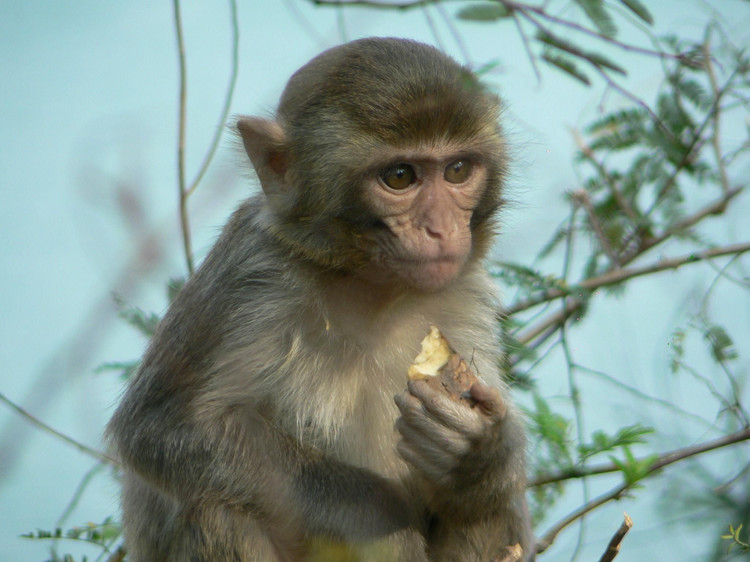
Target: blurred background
pixel 89 110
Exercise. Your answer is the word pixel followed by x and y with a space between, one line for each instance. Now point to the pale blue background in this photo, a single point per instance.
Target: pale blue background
pixel 88 127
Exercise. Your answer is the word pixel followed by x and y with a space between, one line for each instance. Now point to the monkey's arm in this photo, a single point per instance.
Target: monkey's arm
pixel 239 461
pixel 469 463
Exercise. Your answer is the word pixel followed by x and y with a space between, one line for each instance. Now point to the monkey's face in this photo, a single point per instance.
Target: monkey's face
pixel 386 161
pixel 423 202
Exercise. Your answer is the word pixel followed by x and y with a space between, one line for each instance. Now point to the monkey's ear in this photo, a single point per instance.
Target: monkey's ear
pixel 264 142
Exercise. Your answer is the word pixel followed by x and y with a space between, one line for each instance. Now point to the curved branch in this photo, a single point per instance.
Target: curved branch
pixel 227 100
pixel 623 274
pixel 661 461
pixel 98 455
pixel 182 126
pixel 669 458
pixel 549 537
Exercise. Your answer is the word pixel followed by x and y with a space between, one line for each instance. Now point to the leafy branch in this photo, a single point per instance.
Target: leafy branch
pixel 633 470
pixel 655 464
pixel 103 535
pixel 617 276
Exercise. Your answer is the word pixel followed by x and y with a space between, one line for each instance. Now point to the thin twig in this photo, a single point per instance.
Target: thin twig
pixel 622 203
pixel 619 275
pixel 98 455
pixel 696 143
pixel 512 7
pixel 542 12
pixel 715 112
pixel 182 185
pixel 375 4
pixel 539 333
pixel 457 37
pixel 433 28
pixel 227 100
pixel 582 197
pixel 596 66
pixel 548 326
pixel 527 48
pixel 80 489
pixel 573 390
pixel 118 555
pixel 715 208
pixel 613 548
pixel 549 537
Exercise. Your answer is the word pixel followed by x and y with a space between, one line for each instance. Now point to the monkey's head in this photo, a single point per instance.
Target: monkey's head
pixel 386 160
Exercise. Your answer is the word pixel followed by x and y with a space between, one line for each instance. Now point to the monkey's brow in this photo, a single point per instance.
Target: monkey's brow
pixel 426 156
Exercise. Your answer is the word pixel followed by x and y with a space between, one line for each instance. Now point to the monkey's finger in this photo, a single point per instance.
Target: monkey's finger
pixel 434 436
pixel 450 413
pixel 489 400
pixel 432 471
pixel 407 402
pixel 415 420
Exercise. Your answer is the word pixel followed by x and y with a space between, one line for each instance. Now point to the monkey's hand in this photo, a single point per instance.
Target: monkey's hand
pixel 468 463
pixel 449 443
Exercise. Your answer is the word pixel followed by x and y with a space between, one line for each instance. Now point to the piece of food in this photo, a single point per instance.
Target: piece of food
pixel 442 368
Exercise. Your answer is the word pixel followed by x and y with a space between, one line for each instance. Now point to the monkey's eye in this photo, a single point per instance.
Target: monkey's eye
pixel 458 171
pixel 399 176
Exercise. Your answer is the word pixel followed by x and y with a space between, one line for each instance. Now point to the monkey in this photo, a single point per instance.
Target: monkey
pixel 271 418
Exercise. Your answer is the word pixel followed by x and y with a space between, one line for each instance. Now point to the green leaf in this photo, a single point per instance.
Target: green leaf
pixel 639 10
pixel 619 130
pixel 554 431
pixel 490 11
pixel 567 66
pixel 722 345
pixel 633 470
pixel 126 368
pixel 518 275
pixel 625 436
pixel 96 534
pixel 596 12
pixel 677 347
pixel 143 321
pixel 174 286
pixel 600 60
pixel 693 91
pixel 487 68
pixel 619 139
pixel 633 117
pixel 592 57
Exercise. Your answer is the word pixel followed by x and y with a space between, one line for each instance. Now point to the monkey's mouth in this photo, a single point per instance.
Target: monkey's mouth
pixel 431 274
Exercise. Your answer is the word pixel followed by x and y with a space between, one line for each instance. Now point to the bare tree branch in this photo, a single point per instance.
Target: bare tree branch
pixel 98 455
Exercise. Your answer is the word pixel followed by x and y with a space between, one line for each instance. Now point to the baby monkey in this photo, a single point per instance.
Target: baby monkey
pixel 262 424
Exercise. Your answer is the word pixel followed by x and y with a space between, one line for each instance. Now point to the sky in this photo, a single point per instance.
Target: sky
pixel 88 189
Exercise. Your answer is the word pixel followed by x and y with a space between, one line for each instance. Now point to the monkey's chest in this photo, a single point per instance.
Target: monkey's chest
pixel 346 409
